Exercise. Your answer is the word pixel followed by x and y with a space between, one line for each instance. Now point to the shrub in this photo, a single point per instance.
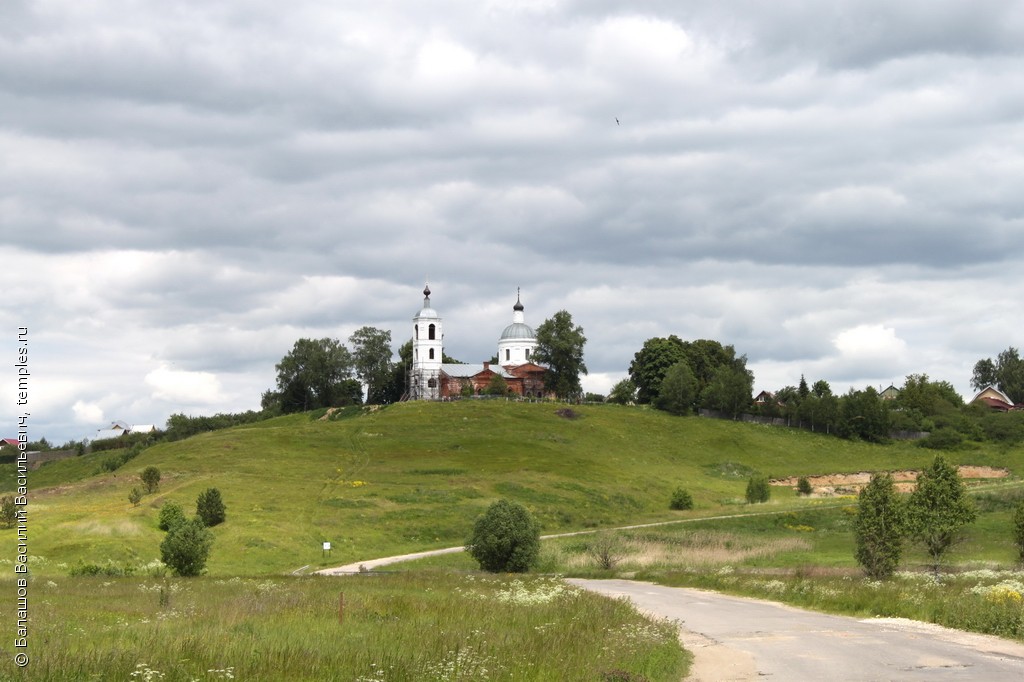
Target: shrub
pixel 171 515
pixel 606 550
pixel 803 486
pixel 8 511
pixel 135 496
pixel 758 489
pixel 151 479
pixel 681 499
pixel 186 548
pixel 944 438
pixel 210 508
pixel 505 538
pixel 1018 530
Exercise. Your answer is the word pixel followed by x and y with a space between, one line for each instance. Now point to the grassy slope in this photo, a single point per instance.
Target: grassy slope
pixel 415 476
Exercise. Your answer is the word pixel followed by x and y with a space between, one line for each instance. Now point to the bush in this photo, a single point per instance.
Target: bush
pixel 505 538
pixel 135 496
pixel 945 438
pixel 8 511
pixel 1018 530
pixel 606 550
pixel 803 486
pixel 681 500
pixel 171 515
pixel 758 490
pixel 186 548
pixel 151 479
pixel 210 508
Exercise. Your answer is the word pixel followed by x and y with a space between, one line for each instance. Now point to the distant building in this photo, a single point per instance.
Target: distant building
pixel 890 393
pixel 430 378
pixel 994 399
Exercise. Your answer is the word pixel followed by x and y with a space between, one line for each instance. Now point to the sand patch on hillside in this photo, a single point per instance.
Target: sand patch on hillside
pixel 827 485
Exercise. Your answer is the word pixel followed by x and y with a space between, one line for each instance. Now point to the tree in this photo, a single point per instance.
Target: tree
pixel 864 415
pixel 151 479
pixel 8 511
pixel 730 388
pixel 560 349
pixel 650 363
pixel 315 373
pixel 186 548
pixel 681 499
pixel 135 496
pixel 678 390
pixel 622 393
pixel 171 515
pixel 210 508
pixel 1018 530
pixel 938 509
pixel 497 386
pixel 879 527
pixel 758 490
pixel 371 355
pixel 506 538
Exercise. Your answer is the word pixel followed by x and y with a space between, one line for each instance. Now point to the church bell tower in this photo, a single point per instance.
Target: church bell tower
pixel 427 338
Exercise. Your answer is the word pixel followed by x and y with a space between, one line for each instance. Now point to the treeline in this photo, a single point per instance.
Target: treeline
pixel 681 377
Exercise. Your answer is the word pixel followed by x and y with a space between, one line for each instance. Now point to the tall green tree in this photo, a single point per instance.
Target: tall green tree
pixel 864 415
pixel 186 547
pixel 623 392
pixel 730 388
pixel 678 390
pixel 650 363
pixel 939 509
pixel 879 527
pixel 315 373
pixel 371 359
pixel 560 348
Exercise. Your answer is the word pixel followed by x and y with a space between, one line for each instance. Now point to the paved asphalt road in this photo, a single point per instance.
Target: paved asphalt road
pixel 733 638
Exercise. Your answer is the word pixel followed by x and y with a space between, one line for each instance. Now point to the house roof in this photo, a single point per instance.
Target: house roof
pixel 142 428
pixel 471 370
pixel 103 434
pixel 11 441
pixel 993 393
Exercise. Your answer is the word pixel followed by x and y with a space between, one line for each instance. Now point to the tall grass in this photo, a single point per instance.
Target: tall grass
pixel 394 628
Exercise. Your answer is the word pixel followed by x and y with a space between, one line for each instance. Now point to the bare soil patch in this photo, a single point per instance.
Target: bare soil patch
pixel 828 485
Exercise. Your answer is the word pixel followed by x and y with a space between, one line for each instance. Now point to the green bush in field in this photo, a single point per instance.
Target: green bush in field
pixel 210 507
pixel 505 539
pixel 758 490
pixel 803 486
pixel 879 527
pixel 171 514
pixel 681 499
pixel 135 496
pixel 187 547
pixel 1018 530
pixel 8 511
pixel 151 479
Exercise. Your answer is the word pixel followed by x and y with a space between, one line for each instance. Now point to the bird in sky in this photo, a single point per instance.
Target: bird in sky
pixel 617 121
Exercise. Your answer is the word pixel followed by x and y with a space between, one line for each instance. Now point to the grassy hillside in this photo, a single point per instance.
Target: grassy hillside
pixel 415 475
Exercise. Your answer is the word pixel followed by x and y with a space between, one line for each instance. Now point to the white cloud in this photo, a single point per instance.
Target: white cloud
pixel 180 386
pixel 87 413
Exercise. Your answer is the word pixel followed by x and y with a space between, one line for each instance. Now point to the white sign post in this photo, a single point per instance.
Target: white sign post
pixel 327 548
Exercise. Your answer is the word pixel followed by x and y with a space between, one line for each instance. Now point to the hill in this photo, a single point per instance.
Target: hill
pixel 414 476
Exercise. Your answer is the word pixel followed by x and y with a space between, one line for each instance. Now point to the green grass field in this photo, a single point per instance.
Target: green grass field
pixel 415 476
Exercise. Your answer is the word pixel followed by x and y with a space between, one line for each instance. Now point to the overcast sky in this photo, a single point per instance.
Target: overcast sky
pixel 187 187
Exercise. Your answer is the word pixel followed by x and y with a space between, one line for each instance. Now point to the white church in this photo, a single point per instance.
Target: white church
pixel 430 378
